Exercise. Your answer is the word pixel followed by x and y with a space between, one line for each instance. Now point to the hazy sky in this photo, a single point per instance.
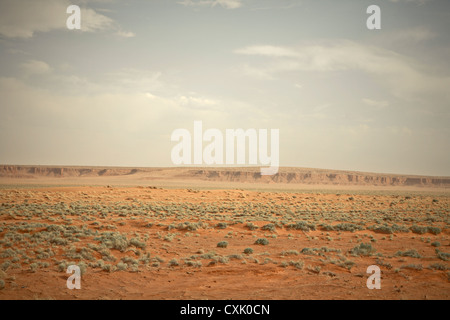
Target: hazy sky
pixel 342 96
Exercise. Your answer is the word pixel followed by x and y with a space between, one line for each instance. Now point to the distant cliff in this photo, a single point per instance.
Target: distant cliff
pixel 247 175
pixel 30 172
pixel 314 177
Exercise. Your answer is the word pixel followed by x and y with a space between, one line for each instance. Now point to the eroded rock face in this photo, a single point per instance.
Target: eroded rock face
pixel 312 177
pixel 285 175
pixel 11 171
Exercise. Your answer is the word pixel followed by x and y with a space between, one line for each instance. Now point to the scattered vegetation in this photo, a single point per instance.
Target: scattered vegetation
pixel 262 241
pixel 222 244
pixel 132 234
pixel 364 249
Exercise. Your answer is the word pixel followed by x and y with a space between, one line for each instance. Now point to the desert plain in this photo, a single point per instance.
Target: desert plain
pixel 224 233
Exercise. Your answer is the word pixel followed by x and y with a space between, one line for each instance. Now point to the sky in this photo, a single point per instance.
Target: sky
pixel 342 96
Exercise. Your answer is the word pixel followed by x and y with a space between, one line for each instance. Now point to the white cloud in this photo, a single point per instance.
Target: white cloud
pixel 196 101
pixel 125 34
pixel 227 4
pixel 404 76
pixel 35 67
pixel 92 21
pixel 22 19
pixel 271 51
pixel 185 101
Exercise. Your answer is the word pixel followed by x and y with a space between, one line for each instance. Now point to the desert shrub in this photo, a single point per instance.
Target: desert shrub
pixel 327 227
pixel 189 226
pixel 347 264
pixel 364 249
pixel 315 269
pixel 438 266
pixel 425 229
pixel 114 240
pixel 222 244
pixel 33 267
pixel 171 226
pixel 55 227
pixel 443 255
pixel 248 250
pixel 145 259
pixel 222 225
pixel 223 260
pixel 382 263
pixel 409 253
pixel 208 255
pixel 98 264
pixel 326 249
pixel 87 254
pixel 5 265
pixel 169 237
pixel 138 243
pixel 8 253
pixel 59 241
pixel 196 264
pixel 347 227
pixel 329 273
pixel 109 268
pixel 398 228
pixel 434 230
pixel 251 226
pixel 72 253
pixel 262 241
pixel 2 284
pixel 297 264
pixel 62 266
pixel 269 227
pixel 290 252
pixel 122 266
pixel 173 263
pixel 308 251
pixel 83 267
pixel 382 229
pixel 301 225
pixel 436 244
pixel 412 266
pixel 106 254
pixel 158 259
pixel 130 261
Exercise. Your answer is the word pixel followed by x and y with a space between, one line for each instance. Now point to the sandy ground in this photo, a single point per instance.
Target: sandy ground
pixel 34 265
